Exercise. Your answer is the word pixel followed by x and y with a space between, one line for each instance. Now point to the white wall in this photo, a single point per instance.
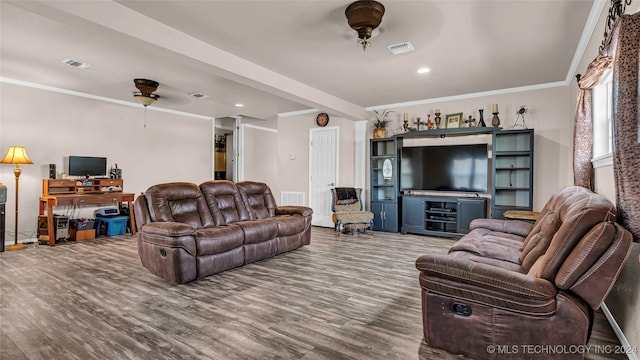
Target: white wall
pixel 259 151
pixel 293 141
pixel 52 126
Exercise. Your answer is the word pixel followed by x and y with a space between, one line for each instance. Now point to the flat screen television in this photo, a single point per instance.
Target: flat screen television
pixel 87 166
pixel 445 168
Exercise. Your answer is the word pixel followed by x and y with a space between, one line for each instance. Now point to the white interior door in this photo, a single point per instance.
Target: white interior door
pixel 323 163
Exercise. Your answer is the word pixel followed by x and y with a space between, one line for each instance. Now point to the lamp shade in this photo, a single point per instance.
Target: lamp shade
pixel 16 155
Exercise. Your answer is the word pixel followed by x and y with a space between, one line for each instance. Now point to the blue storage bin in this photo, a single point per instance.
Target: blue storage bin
pixel 116 225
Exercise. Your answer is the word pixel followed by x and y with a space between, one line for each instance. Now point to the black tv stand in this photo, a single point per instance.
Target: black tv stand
pixel 440 215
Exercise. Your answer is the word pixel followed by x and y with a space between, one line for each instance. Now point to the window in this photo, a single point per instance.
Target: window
pixel 602 103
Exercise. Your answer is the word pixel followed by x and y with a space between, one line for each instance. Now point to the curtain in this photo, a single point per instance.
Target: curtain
pixel 583 127
pixel 626 109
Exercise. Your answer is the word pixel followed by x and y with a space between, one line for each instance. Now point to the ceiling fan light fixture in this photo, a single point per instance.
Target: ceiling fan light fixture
pixel 146 96
pixel 145 99
pixel 364 16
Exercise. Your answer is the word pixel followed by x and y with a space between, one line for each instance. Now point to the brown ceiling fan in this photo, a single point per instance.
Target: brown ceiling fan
pixel 146 96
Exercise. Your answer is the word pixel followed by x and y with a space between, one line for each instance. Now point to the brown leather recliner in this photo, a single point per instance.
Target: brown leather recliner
pixel 511 289
pixel 187 232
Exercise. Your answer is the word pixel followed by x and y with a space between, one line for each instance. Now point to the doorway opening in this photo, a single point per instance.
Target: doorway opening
pixel 224 149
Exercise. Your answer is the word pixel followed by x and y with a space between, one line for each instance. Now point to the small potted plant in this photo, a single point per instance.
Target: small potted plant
pixel 381 121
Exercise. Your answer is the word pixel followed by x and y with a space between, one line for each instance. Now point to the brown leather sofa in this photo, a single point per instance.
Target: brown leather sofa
pixel 511 289
pixel 188 231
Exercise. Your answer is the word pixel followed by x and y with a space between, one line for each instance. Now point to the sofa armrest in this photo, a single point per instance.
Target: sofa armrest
pixel 168 228
pixel 515 227
pixel 169 234
pixel 294 210
pixel 494 286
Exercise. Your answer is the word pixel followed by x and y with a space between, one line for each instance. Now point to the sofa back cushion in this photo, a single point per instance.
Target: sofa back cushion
pixel 258 199
pixel 224 201
pixel 564 221
pixel 180 202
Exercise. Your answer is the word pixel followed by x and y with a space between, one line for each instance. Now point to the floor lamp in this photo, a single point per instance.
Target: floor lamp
pixel 16 155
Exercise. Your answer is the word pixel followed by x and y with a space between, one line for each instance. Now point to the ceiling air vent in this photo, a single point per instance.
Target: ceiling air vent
pixel 200 95
pixel 75 63
pixel 401 48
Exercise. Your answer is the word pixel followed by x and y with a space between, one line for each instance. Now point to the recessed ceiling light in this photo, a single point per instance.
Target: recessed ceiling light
pixel 239 105
pixel 76 63
pixel 423 70
pixel 200 95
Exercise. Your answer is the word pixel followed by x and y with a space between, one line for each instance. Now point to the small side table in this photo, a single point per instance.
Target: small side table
pixel 525 215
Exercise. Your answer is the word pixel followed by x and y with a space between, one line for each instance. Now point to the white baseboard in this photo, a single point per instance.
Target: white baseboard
pixel 619 334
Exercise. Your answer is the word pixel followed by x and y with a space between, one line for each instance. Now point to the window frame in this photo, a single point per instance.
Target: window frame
pixel 602 96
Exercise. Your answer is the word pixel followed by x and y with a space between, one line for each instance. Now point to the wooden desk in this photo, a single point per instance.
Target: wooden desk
pixel 521 215
pixel 49 201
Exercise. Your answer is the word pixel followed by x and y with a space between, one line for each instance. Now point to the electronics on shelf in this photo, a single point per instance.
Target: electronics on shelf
pixel 463 168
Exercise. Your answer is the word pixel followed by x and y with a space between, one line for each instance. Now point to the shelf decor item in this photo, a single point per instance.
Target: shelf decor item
pixel 380 123
pixel 16 155
pixel 387 169
pixel 481 123
pixel 453 120
pixel 520 114
pixel 496 120
pixel 418 123
pixel 471 122
pixel 438 119
pixel 430 124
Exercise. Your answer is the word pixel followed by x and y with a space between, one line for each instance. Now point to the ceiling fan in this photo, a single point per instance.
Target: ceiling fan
pixel 146 96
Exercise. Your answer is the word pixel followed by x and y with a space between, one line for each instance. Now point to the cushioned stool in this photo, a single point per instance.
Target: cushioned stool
pixel 116 225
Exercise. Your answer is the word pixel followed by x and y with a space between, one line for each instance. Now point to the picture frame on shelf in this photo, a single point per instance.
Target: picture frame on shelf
pixel 453 121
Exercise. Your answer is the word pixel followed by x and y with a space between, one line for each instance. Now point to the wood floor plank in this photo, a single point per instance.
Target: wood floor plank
pixel 347 297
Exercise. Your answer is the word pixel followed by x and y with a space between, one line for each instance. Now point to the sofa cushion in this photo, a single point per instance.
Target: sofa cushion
pixel 491 244
pixel 216 240
pixel 256 231
pixel 290 225
pixel 507 265
pixel 258 199
pixel 179 202
pixel 224 201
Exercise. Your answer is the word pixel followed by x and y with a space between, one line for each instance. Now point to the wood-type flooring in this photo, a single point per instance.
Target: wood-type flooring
pixel 347 297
